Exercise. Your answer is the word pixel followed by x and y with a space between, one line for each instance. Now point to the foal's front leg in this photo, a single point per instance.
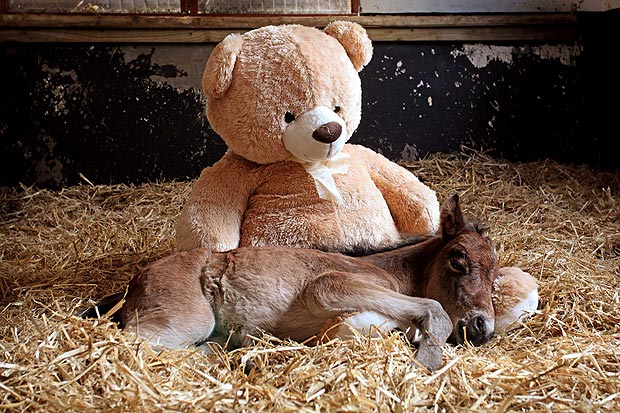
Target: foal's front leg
pixel 338 292
pixel 368 323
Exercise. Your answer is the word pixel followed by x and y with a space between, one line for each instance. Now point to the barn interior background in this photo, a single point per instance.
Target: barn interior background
pixel 102 130
pixel 117 97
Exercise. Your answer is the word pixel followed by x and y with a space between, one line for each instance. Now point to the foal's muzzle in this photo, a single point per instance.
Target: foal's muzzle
pixel 475 328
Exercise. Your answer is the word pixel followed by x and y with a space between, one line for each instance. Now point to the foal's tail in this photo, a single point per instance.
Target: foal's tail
pixel 107 306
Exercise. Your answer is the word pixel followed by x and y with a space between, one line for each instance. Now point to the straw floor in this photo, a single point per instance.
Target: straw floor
pixel 61 248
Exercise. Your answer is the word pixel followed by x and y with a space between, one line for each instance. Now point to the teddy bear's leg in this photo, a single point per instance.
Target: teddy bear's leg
pixel 515 295
pixel 346 325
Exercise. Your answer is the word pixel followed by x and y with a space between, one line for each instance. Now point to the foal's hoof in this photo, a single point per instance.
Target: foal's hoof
pixel 429 356
pixel 248 367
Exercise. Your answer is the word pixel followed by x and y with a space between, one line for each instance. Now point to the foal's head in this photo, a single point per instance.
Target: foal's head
pixel 462 273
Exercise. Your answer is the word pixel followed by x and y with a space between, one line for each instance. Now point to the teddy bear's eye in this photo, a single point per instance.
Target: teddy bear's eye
pixel 337 109
pixel 289 117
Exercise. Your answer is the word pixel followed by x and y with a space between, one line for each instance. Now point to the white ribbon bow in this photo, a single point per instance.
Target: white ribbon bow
pixel 323 172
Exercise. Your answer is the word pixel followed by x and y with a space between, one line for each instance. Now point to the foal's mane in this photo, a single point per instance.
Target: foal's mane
pixel 481 227
pixel 404 241
pixel 475 225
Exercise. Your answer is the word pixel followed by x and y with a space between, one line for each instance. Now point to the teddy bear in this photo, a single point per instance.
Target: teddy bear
pixel 286 99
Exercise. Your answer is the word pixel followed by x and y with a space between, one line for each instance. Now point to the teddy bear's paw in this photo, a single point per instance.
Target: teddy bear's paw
pixel 515 296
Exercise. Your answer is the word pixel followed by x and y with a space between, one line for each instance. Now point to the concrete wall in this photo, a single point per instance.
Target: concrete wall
pixel 134 113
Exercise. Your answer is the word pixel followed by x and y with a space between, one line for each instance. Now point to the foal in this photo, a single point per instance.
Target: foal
pixel 194 296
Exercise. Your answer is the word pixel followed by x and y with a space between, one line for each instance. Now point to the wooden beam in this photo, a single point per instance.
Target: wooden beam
pixel 216 35
pixel 209 28
pixel 252 21
pixel 112 35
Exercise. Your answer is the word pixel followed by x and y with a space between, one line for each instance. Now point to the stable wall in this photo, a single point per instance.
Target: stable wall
pixel 123 112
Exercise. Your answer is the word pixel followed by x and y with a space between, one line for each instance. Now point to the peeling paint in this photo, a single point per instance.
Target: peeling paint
pixel 92 111
pixel 480 55
pixel 409 154
pixel 47 168
pixel 183 74
pixel 400 70
pixel 61 92
pixel 566 54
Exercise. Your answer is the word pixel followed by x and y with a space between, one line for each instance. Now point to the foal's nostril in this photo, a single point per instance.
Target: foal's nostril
pixel 327 133
pixel 477 330
pixel 479 325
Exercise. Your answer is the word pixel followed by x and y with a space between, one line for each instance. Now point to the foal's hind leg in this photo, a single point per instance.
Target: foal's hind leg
pixel 166 304
pixel 338 292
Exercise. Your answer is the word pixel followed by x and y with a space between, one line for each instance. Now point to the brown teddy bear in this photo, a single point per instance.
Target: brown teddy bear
pixel 286 99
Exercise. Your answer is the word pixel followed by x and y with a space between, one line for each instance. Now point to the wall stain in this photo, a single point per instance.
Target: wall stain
pixel 520 101
pixel 87 110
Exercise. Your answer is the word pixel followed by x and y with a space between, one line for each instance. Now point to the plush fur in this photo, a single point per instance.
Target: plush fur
pixel 515 296
pixel 241 203
pixel 257 195
pixel 260 87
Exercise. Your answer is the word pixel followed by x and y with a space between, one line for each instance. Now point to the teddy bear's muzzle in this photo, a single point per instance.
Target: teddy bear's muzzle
pixel 328 133
pixel 316 135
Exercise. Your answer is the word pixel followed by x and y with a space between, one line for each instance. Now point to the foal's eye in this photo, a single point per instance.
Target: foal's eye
pixel 457 265
pixel 336 109
pixel 289 117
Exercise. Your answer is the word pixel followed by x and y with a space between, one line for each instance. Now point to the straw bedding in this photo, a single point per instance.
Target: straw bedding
pixel 60 249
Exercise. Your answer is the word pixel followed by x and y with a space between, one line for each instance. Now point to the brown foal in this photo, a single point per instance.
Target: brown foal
pixel 439 287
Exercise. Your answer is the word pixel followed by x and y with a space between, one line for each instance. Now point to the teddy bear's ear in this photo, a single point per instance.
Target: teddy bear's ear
pixel 355 41
pixel 219 69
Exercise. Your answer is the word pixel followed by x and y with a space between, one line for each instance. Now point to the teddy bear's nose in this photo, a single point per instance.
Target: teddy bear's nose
pixel 328 132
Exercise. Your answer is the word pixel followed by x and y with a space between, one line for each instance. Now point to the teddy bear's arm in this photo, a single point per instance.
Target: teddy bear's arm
pixel 413 205
pixel 212 215
pixel 515 296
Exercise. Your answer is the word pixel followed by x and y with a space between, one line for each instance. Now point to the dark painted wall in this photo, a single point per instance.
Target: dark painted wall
pixel 119 113
pixel 72 109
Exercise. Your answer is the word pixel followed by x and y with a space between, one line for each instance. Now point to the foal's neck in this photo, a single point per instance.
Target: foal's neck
pixel 409 264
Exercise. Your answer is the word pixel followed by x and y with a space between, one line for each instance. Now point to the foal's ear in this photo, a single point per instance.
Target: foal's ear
pixel 451 218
